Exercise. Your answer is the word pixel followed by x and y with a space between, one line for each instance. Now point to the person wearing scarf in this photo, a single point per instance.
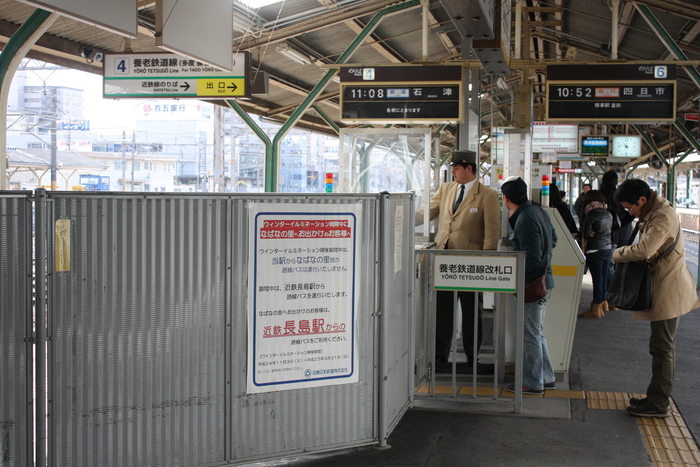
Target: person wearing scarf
pixel 596 231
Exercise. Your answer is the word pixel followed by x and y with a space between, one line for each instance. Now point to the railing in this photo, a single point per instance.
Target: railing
pixel 426 324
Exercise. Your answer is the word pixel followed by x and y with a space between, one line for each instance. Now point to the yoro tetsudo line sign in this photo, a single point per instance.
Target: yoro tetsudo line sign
pixel 476 273
pixel 167 75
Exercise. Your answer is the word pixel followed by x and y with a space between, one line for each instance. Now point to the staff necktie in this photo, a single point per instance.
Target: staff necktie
pixel 459 198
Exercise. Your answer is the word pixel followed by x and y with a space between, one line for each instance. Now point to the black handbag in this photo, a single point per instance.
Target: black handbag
pixel 631 286
pixel 537 289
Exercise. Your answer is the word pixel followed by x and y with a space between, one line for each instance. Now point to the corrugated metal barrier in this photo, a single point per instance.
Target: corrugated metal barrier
pixel 147 336
pixel 15 329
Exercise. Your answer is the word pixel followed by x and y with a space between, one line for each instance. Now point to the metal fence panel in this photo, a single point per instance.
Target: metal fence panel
pixel 293 421
pixel 15 329
pixel 147 336
pixel 397 322
pixel 137 329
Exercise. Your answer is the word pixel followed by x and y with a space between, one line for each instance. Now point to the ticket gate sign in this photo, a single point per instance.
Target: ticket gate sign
pixel 480 273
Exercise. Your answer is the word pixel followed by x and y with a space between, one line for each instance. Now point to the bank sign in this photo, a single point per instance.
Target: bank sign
pixel 476 273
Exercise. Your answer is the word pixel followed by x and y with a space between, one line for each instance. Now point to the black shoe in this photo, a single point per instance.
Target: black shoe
pixel 552 385
pixel 637 401
pixel 470 362
pixel 440 359
pixel 646 410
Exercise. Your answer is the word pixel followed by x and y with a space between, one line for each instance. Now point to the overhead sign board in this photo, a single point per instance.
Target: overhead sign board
pixel 611 93
pixel 401 94
pixel 167 75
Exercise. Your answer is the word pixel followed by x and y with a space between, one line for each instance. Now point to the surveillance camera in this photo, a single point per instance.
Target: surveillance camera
pixel 99 56
pixel 85 52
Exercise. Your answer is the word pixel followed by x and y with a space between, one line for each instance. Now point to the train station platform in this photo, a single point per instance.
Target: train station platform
pixel 581 423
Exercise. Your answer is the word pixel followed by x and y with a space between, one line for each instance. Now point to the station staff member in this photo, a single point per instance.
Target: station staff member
pixel 470 219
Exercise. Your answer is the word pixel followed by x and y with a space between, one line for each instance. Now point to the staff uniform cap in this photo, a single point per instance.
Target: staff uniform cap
pixel 463 158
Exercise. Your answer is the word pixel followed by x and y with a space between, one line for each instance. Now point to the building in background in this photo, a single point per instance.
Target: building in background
pixel 170 147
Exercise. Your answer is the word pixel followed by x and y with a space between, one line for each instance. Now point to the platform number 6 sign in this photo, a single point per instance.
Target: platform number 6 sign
pixel 660 72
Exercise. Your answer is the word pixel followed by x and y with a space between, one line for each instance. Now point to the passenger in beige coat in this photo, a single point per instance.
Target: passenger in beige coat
pixel 673 292
pixel 474 225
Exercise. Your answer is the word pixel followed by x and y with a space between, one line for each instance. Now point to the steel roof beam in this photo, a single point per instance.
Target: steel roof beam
pixel 667 40
pixel 304 27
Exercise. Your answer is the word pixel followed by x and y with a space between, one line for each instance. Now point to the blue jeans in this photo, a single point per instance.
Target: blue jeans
pixel 598 263
pixel 611 267
pixel 537 367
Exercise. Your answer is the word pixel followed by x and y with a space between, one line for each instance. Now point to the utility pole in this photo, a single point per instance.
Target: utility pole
pixel 124 161
pixel 219 136
pixel 54 144
pixel 133 156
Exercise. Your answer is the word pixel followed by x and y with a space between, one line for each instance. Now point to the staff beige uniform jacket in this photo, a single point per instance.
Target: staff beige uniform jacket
pixel 477 223
pixel 673 291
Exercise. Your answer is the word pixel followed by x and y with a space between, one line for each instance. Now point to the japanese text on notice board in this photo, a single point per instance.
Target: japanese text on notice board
pixel 301 296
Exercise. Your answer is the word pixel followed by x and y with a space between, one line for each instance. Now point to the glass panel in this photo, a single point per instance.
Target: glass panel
pixel 389 159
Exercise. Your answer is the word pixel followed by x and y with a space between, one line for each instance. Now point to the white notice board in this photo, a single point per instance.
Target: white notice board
pixel 302 293
pixel 476 273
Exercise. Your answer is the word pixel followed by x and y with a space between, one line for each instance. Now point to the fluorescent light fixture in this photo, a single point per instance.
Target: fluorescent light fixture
pixel 258 3
pixel 292 54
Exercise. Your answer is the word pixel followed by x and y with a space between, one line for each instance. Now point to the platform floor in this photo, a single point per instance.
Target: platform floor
pixel 582 423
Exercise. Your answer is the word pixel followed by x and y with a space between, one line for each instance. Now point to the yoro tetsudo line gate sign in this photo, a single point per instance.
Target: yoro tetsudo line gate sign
pixel 476 273
pixel 168 75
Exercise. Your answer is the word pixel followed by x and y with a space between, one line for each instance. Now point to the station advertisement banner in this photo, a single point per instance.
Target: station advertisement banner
pixel 302 295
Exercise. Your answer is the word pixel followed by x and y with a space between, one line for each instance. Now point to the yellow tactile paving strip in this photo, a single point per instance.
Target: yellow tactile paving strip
pixel 607 400
pixel 488 391
pixel 668 440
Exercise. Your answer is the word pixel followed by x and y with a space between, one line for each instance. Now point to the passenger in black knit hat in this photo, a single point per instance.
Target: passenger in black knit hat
pixel 534 234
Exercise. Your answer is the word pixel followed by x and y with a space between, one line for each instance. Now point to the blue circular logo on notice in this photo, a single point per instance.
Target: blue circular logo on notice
pixel 307 373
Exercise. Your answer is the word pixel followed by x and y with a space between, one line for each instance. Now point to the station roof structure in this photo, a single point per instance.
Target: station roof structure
pixel 555 32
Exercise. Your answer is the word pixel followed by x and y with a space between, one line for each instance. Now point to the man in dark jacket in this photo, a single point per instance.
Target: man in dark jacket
pixel 534 234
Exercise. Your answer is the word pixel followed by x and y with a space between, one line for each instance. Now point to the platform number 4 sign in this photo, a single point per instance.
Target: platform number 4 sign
pixel 121 66
pixel 660 72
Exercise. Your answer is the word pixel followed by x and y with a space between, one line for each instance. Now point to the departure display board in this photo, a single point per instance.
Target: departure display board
pixel 595 146
pixel 401 94
pixel 614 93
pixel 400 103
